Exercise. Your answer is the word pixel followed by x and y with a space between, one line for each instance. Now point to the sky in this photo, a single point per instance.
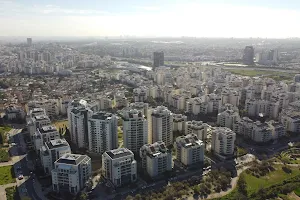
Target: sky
pixel 151 18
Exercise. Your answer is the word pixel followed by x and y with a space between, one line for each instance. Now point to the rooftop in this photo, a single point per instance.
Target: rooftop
pixel 71 159
pixel 119 153
pixel 46 129
pixel 57 143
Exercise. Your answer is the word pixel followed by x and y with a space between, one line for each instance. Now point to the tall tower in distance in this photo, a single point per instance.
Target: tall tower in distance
pixel 29 41
pixel 158 59
pixel 248 56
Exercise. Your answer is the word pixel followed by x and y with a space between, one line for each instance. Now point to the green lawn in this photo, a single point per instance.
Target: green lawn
pixel 7 175
pixel 278 76
pixel 4 156
pixel 297 192
pixel 11 193
pixel 277 176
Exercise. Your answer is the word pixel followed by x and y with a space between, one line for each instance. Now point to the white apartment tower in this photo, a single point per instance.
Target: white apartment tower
pixel 71 172
pixel 52 151
pixel 78 124
pixel 44 134
pixel 135 130
pixel 102 132
pixel 223 140
pixel 160 125
pixel 189 150
pixel 119 166
pixel 197 127
pixel 156 158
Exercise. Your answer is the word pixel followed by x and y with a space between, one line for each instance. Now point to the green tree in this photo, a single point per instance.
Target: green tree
pixel 242 185
pixel 83 196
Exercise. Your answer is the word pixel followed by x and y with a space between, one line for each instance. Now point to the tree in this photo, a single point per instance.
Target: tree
pixel 83 196
pixel 242 185
pixel 129 197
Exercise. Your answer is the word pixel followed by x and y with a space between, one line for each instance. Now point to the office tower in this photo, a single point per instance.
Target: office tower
pixel 102 132
pixel 158 59
pixel 119 166
pixel 248 55
pixel 189 150
pixel 223 140
pixel 78 124
pixel 135 130
pixel 71 172
pixel 52 151
pixel 160 125
pixel 29 41
pixel 156 158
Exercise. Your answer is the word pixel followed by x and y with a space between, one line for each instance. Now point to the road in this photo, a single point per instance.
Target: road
pixel 28 182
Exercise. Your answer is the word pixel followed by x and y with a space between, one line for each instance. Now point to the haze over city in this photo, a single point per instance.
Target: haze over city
pixel 167 18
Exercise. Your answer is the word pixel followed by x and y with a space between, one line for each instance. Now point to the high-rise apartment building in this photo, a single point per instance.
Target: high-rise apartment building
pixel 158 59
pixel 189 150
pixel 156 158
pixel 119 166
pixel 248 56
pixel 223 140
pixel 44 134
pixel 102 132
pixel 160 125
pixel 71 172
pixel 197 127
pixel 135 130
pixel 78 124
pixel 52 151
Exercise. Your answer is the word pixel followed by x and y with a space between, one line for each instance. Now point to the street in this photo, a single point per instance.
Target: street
pixel 26 186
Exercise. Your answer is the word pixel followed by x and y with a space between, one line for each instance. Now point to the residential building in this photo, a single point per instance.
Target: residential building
pixel 228 118
pixel 44 134
pixel 119 167
pixel 223 140
pixel 156 158
pixel 37 121
pixel 135 130
pixel 160 125
pixel 189 150
pixel 179 121
pixel 198 128
pixel 261 132
pixel 52 151
pixel 71 172
pixel 102 132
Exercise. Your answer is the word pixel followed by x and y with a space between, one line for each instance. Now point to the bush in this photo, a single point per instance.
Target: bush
pixel 4 156
pixel 287 169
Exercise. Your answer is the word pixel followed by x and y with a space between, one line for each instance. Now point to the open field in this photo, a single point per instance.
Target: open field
pixel 278 76
pixel 7 175
pixel 271 179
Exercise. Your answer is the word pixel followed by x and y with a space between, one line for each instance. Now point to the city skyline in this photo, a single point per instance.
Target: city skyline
pixel 150 19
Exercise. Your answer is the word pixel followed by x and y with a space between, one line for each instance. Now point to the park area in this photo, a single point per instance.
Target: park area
pixel 61 124
pixel 7 175
pixel 278 181
pixel 276 75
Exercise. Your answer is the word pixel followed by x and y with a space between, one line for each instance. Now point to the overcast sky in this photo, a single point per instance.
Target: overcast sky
pixel 148 18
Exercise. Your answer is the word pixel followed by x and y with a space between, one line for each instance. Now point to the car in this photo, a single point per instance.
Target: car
pixel 20 177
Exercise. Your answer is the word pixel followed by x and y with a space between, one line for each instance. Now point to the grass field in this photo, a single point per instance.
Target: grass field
pixel 253 183
pixel 4 155
pixel 11 193
pixel 271 74
pixel 7 175
pixel 277 176
pixel 297 192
